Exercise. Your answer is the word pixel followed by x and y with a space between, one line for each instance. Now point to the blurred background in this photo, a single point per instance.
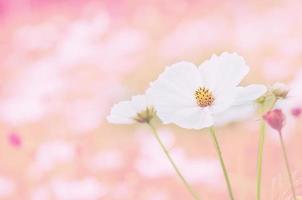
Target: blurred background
pixel 63 64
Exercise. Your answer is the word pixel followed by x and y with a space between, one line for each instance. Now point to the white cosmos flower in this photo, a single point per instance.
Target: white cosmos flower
pixel 198 97
pixel 138 109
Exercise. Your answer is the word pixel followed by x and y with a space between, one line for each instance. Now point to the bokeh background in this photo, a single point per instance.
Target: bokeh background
pixel 63 64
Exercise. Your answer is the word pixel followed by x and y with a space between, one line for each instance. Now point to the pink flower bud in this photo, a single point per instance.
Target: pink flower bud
pixel 296 112
pixel 14 139
pixel 275 119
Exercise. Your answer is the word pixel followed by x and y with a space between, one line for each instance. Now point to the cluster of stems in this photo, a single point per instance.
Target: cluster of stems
pixel 177 170
pixel 224 169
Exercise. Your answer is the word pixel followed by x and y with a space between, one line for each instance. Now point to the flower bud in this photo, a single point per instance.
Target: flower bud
pixel 275 119
pixel 280 90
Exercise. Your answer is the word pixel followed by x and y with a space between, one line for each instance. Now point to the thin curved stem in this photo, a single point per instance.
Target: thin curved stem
pixel 287 166
pixel 260 157
pixel 195 195
pixel 226 176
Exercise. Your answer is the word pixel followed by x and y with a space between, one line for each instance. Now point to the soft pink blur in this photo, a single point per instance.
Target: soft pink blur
pixel 63 64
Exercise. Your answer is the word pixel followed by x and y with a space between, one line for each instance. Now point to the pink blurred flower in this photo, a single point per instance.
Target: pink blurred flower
pixel 33 33
pixel 121 52
pixel 275 68
pixel 14 139
pixel 7 187
pixel 251 28
pixel 151 153
pixel 296 112
pixel 78 44
pixel 295 96
pixel 51 154
pixel 157 195
pixel 84 115
pixel 26 96
pixel 86 42
pixel 203 170
pixel 107 160
pixel 192 36
pixel 87 188
pixel 41 192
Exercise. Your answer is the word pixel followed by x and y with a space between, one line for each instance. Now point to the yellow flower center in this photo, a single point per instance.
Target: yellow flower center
pixel 204 97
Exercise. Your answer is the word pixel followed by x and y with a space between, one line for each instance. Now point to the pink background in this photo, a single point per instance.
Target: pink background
pixel 63 64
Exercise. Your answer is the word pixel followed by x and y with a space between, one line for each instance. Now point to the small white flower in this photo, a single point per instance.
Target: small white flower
pixel 138 109
pixel 198 97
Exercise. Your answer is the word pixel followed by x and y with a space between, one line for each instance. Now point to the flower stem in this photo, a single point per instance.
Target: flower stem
pixel 260 157
pixel 287 166
pixel 195 195
pixel 212 131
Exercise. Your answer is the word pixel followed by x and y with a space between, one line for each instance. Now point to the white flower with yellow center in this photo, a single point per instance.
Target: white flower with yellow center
pixel 199 97
pixel 138 109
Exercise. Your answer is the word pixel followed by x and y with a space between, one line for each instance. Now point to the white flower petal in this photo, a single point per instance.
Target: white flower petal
pixel 139 103
pixel 122 113
pixel 181 79
pixel 243 106
pixel 193 118
pixel 174 90
pixel 249 93
pixel 224 71
pixel 168 98
pixel 235 113
pixel 223 100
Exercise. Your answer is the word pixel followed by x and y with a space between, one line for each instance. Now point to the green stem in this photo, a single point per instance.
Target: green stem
pixel 212 131
pixel 195 196
pixel 287 166
pixel 260 157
